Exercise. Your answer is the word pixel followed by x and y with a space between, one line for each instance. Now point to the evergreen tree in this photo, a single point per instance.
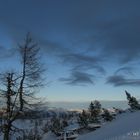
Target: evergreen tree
pixel 94 109
pixel 107 116
pixel 132 101
pixel 64 123
pixel 83 119
pixel 56 125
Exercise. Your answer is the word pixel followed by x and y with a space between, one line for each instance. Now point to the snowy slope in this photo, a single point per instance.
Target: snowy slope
pixel 49 136
pixel 119 129
pixel 125 127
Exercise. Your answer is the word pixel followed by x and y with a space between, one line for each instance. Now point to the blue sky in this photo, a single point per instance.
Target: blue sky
pixel 91 48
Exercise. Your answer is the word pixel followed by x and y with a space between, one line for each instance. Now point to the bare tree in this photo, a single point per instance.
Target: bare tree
pixel 31 76
pixel 10 97
pixel 21 86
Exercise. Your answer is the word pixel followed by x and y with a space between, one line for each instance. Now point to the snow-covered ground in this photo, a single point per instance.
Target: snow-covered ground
pixel 125 127
pixel 49 136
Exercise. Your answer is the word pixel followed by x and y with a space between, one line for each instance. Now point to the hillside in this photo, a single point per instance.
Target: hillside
pixel 125 127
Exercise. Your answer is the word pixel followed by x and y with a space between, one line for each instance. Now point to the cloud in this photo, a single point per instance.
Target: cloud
pixel 78 78
pixel 117 38
pixel 6 53
pixel 123 76
pixel 119 80
pixel 112 27
pixel 52 47
pixel 83 62
pixel 122 41
pixel 79 63
pixel 82 35
pixel 124 70
pixel 93 68
pixel 80 58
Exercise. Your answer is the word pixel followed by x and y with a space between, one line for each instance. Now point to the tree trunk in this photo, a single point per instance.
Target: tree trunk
pixel 7 132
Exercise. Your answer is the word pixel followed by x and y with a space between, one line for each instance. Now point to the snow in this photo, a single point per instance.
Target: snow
pixel 72 127
pixel 49 136
pixel 121 128
pixel 94 125
pixel 126 126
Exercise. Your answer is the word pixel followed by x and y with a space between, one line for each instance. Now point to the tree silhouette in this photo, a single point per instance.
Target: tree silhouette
pixel 132 101
pixel 94 109
pixel 32 69
pixel 17 89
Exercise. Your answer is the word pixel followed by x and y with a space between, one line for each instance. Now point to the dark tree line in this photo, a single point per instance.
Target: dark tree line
pixel 93 114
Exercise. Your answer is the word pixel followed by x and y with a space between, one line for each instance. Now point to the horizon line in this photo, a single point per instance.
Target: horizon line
pixel 85 101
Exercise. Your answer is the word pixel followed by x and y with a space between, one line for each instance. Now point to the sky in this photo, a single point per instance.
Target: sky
pixel 90 48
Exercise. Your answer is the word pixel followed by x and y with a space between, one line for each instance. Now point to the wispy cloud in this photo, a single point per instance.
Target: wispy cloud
pixel 6 53
pixel 79 78
pixel 82 35
pixel 124 70
pixel 53 48
pixel 79 63
pixel 123 76
pixel 119 80
pixel 83 62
